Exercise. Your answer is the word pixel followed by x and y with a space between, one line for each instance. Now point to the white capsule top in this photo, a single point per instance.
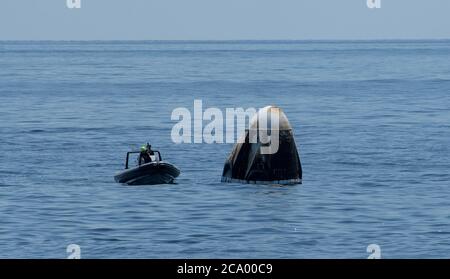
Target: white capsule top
pixel 263 119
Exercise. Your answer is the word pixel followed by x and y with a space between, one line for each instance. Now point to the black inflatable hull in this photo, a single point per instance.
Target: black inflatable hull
pixel 149 174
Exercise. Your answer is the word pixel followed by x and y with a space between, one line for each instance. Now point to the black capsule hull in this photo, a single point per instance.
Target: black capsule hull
pixel 247 165
pixel 250 163
pixel 149 174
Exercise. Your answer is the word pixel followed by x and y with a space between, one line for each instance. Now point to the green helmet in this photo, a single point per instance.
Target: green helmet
pixel 143 148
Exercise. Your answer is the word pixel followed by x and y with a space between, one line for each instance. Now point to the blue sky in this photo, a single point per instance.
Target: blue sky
pixel 223 19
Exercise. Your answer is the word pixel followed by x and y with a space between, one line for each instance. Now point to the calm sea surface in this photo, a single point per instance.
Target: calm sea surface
pixel 371 120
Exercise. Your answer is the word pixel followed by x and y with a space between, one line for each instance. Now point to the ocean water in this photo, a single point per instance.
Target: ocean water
pixel 371 121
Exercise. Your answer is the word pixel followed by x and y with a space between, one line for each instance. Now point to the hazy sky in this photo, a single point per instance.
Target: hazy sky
pixel 223 19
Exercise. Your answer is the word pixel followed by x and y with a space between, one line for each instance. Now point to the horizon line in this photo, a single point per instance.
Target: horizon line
pixel 224 40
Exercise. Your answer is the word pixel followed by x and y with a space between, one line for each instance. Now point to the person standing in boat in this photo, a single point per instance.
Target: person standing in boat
pixel 145 155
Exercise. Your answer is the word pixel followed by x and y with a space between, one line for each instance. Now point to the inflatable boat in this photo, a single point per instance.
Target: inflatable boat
pixel 155 172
